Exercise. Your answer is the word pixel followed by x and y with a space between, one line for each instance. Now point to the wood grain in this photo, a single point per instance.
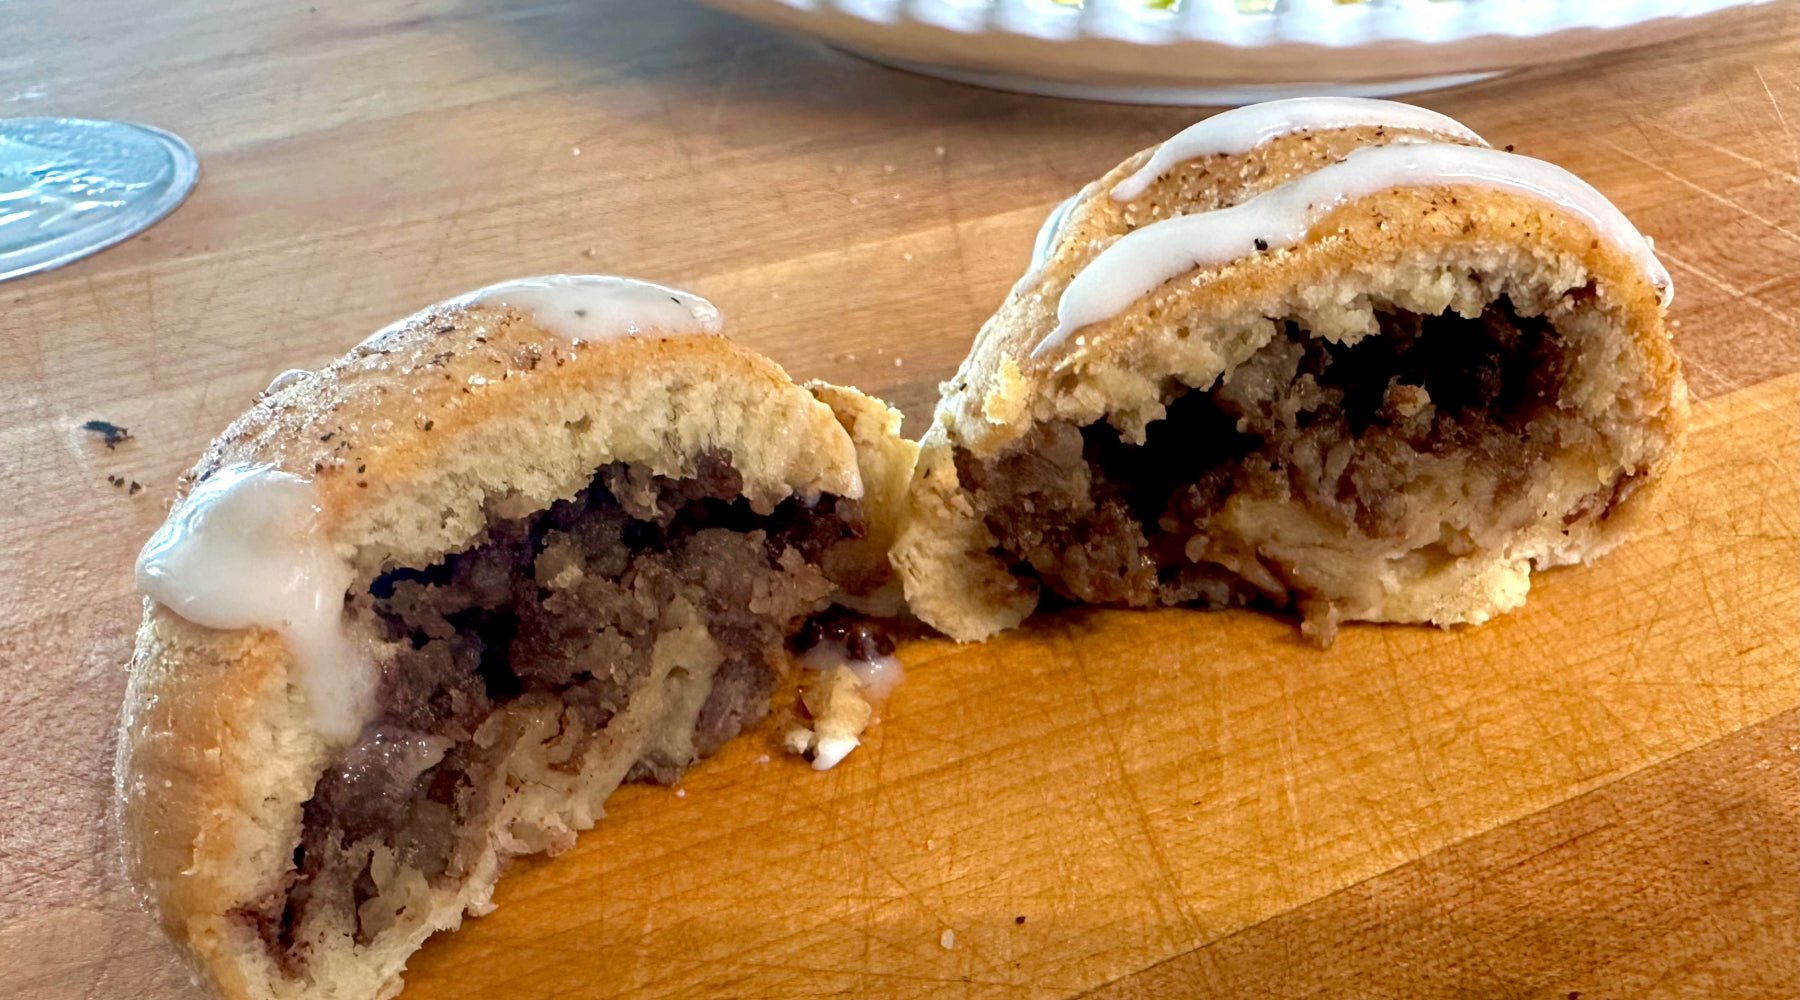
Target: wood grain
pixel 1177 803
pixel 1556 904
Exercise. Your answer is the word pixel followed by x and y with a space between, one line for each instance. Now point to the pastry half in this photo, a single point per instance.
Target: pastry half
pixel 423 610
pixel 1328 354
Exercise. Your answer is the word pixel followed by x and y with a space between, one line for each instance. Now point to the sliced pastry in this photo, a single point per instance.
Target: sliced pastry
pixel 423 610
pixel 1331 355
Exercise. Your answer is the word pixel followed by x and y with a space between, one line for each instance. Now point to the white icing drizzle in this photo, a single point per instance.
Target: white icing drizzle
pixel 293 376
pixel 585 307
pixel 243 550
pixel 880 675
pixel 1046 237
pixel 1142 260
pixel 1045 242
pixel 596 307
pixel 1243 129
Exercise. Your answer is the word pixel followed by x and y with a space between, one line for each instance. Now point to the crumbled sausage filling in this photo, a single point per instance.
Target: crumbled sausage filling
pixel 1427 436
pixel 565 608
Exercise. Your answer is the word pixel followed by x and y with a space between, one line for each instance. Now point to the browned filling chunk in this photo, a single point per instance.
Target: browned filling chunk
pixel 565 605
pixel 1409 430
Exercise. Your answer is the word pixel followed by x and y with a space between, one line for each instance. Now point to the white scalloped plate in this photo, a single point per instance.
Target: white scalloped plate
pixel 1209 52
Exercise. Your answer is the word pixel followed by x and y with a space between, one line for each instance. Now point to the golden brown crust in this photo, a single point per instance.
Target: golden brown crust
pixel 424 403
pixel 216 755
pixel 886 461
pixel 1422 248
pixel 412 440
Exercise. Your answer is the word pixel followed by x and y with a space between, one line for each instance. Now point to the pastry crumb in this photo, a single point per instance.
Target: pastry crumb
pixel 798 740
pixel 839 712
pixel 131 486
pixel 948 940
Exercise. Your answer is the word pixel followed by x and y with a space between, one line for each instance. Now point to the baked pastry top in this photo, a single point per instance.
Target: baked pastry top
pixel 1329 354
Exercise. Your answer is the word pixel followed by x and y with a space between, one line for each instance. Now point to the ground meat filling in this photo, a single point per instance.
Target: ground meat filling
pixel 1365 438
pixel 565 604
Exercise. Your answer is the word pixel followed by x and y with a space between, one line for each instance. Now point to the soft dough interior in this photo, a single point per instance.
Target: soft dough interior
pixel 1312 472
pixel 622 634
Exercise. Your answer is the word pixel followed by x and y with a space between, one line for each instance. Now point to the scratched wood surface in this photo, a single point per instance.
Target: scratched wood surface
pixel 1597 795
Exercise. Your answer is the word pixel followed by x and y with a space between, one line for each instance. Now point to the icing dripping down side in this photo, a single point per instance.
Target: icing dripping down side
pixel 1243 129
pixel 1046 241
pixel 291 377
pixel 1141 261
pixel 597 307
pixel 1046 237
pixel 880 673
pixel 242 551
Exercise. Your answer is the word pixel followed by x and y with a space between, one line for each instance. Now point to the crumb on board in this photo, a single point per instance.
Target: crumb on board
pixel 797 740
pixel 131 486
pixel 947 939
pixel 839 712
pixel 1019 919
pixel 111 434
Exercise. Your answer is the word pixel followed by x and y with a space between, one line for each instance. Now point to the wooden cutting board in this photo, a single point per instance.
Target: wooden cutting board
pixel 1596 796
